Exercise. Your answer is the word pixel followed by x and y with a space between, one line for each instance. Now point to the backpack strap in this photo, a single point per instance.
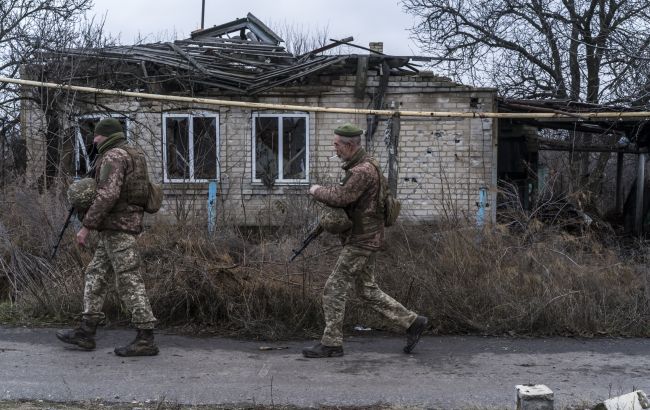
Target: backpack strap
pixel 381 193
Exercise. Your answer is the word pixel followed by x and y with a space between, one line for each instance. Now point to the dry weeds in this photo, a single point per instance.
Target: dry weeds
pixel 536 279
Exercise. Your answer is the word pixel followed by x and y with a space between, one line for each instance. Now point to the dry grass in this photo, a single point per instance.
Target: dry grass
pixel 533 280
pixel 493 282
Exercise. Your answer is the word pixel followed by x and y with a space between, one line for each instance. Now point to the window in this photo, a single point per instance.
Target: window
pixel 85 151
pixel 280 148
pixel 190 147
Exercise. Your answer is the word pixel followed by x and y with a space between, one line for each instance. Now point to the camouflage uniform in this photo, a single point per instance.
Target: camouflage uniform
pixel 358 194
pixel 111 209
pixel 118 222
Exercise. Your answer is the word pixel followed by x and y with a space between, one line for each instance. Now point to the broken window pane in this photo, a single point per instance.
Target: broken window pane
pixel 266 149
pixel 86 150
pixel 191 147
pixel 177 140
pixel 205 148
pixel 294 141
pixel 281 148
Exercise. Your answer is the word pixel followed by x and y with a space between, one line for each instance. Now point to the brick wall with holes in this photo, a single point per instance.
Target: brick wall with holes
pixel 441 162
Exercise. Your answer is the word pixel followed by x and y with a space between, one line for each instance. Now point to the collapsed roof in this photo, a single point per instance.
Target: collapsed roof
pixel 242 57
pixel 636 129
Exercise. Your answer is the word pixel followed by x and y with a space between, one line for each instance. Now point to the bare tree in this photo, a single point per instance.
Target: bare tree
pixel 27 27
pixel 570 49
pixel 299 39
pixel 575 50
pixel 632 69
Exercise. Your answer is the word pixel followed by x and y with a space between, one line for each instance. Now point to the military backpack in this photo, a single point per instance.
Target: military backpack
pixel 387 204
pixel 139 189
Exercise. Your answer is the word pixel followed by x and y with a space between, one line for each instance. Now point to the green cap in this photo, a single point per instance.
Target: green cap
pixel 348 130
pixel 108 127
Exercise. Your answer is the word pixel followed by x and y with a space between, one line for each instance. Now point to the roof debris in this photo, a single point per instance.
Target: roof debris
pixel 243 57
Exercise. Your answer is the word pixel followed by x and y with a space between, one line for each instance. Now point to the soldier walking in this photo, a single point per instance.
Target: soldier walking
pixel 116 212
pixel 358 193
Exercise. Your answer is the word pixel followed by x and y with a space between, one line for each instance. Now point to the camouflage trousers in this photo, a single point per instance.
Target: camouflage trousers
pixel 354 269
pixel 116 255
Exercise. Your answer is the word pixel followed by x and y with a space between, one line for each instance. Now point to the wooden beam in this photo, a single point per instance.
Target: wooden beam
pixel 326 47
pixel 543 109
pixel 640 188
pixel 253 90
pixel 378 103
pixel 590 148
pixel 393 150
pixel 619 182
pixel 375 52
pixel 553 145
pixel 362 77
pixel 188 58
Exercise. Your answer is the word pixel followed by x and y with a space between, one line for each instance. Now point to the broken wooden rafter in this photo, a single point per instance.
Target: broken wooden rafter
pixel 254 90
pixel 234 41
pixel 222 45
pixel 188 58
pixel 544 109
pixel 546 144
pixel 250 23
pixel 335 43
pixel 255 63
pixel 339 42
pixel 377 103
pixel 217 84
pixel 298 67
pixel 361 77
pixel 232 64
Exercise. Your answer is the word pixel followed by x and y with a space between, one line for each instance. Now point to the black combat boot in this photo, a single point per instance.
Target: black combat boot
pixel 82 336
pixel 320 350
pixel 143 345
pixel 414 332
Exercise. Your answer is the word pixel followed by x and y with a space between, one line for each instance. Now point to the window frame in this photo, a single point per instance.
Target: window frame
pixel 280 116
pixel 78 139
pixel 190 136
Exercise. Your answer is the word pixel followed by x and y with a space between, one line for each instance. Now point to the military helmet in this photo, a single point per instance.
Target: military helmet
pixel 82 193
pixel 336 221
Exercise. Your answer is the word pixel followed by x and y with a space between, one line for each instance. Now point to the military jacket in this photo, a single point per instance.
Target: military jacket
pixel 358 194
pixel 111 209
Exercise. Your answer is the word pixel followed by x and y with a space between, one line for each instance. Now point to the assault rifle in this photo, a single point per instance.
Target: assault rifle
pixel 65 226
pixel 305 242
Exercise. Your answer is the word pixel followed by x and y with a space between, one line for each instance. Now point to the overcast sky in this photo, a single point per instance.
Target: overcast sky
pixel 365 20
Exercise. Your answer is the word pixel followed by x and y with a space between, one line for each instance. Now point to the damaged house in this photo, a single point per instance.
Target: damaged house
pixel 259 163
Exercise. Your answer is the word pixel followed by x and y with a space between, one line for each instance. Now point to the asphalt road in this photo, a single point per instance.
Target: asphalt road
pixel 443 372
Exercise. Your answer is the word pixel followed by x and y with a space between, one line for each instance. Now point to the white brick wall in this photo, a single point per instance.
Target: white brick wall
pixel 442 161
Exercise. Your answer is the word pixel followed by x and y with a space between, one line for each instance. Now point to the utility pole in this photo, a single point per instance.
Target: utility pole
pixel 202 14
